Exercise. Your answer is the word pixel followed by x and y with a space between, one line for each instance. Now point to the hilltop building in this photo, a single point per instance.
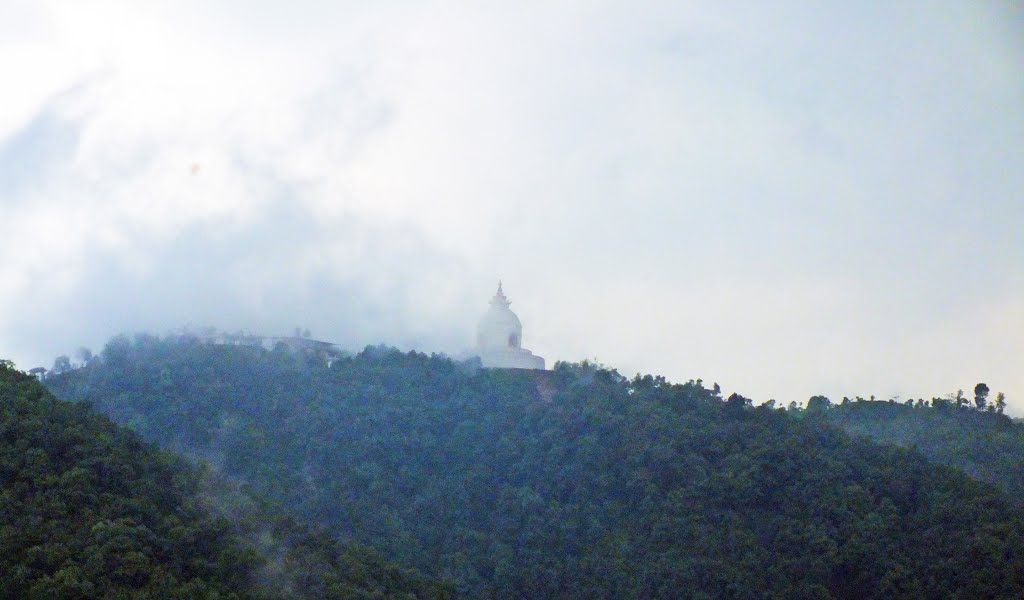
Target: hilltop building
pixel 500 337
pixel 301 342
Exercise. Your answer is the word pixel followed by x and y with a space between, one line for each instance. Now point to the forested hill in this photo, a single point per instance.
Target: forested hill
pixel 984 443
pixel 576 483
pixel 88 510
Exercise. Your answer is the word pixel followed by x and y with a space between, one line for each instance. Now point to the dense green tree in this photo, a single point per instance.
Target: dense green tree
pixel 573 483
pixel 817 404
pixel 985 444
pixel 980 396
pixel 960 400
pixel 62 364
pixel 88 510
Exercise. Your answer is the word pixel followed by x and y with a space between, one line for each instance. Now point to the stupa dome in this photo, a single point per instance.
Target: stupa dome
pixel 499 327
pixel 500 338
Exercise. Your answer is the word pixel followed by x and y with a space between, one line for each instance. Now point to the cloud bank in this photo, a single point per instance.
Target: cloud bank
pixel 788 199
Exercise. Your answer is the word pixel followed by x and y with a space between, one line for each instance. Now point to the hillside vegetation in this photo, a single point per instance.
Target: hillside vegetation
pixel 576 483
pixel 984 443
pixel 88 510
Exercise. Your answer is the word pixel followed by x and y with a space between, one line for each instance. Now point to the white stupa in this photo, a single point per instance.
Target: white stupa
pixel 500 337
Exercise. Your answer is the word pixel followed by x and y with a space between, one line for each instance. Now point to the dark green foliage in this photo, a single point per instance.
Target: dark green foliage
pixel 981 396
pixel 88 510
pixel 576 483
pixel 984 443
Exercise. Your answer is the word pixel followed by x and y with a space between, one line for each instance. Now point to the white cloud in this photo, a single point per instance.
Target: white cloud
pixel 789 199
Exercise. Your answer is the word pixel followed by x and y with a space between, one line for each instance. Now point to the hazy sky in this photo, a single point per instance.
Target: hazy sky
pixel 788 198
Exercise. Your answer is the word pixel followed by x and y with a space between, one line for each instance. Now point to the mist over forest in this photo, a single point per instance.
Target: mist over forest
pixel 447 300
pixel 578 482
